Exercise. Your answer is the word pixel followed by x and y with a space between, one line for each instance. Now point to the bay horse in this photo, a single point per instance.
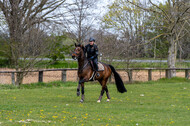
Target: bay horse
pixel 85 72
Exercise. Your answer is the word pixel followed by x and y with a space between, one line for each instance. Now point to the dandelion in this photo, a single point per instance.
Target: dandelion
pixel 10 120
pixel 62 120
pixel 55 106
pixel 171 122
pixel 74 117
pixel 55 117
pixel 41 110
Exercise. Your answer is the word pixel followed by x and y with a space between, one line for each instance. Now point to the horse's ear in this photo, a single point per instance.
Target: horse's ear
pixel 75 45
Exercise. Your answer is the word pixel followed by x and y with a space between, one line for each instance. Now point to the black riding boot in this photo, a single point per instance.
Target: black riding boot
pixel 96 69
pixel 95 61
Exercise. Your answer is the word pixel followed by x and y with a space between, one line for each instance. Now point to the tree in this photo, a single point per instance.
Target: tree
pixel 80 18
pixel 24 19
pixel 124 21
pixel 60 48
pixel 175 17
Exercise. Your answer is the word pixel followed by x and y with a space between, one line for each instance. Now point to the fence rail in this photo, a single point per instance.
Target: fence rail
pixel 130 73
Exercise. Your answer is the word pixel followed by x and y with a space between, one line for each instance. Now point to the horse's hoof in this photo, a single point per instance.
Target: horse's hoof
pixel 81 101
pixel 78 93
pixel 98 101
pixel 108 100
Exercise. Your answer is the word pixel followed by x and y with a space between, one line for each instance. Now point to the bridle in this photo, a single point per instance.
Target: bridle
pixel 75 55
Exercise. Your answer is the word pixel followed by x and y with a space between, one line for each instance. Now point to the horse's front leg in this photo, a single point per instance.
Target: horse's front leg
pixel 78 89
pixel 79 85
pixel 82 91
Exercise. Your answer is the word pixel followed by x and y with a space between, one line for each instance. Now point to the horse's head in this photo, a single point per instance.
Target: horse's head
pixel 78 51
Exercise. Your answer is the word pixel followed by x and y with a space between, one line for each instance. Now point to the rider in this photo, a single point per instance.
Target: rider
pixel 92 53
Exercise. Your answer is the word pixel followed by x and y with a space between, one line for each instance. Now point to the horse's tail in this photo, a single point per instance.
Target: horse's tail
pixel 119 83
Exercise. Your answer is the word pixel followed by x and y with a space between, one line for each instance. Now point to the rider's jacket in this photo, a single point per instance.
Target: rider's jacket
pixel 91 50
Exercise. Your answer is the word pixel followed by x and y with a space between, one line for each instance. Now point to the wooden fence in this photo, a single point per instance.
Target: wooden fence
pixel 130 73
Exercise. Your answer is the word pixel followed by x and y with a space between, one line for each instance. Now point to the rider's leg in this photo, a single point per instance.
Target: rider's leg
pixel 95 61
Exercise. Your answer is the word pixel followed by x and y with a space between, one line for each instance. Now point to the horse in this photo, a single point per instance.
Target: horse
pixel 85 72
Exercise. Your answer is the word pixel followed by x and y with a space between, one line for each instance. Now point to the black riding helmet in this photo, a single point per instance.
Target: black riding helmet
pixel 91 39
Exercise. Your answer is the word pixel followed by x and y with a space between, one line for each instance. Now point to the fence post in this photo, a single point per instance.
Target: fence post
pixel 130 75
pixel 149 75
pixel 64 75
pixel 166 74
pixel 187 74
pixel 40 76
pixel 13 78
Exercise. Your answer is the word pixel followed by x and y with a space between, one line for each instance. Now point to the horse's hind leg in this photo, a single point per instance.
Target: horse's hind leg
pixel 101 94
pixel 107 93
pixel 103 83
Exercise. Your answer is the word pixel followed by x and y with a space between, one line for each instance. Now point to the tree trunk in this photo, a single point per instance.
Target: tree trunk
pixel 19 78
pixel 172 52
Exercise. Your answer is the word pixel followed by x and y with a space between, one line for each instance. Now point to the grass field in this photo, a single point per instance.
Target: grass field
pixel 162 103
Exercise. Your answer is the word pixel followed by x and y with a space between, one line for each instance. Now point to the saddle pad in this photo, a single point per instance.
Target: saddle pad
pixel 100 67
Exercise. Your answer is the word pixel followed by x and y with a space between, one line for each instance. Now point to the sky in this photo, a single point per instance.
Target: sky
pixel 104 3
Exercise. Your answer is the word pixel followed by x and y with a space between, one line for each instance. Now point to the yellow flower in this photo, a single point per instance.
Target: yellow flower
pixel 171 122
pixel 55 117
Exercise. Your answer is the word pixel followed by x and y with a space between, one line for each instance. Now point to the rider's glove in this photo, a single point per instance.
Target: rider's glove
pixel 91 57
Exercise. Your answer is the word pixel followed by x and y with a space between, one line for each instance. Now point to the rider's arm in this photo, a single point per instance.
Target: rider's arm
pixel 96 51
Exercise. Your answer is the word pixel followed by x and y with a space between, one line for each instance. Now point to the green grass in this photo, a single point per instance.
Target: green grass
pixel 155 103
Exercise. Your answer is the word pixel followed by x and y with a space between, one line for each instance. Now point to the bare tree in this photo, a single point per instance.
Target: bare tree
pixel 80 18
pixel 176 16
pixel 24 19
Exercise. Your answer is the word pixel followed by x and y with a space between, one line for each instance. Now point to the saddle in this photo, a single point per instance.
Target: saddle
pixel 100 68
